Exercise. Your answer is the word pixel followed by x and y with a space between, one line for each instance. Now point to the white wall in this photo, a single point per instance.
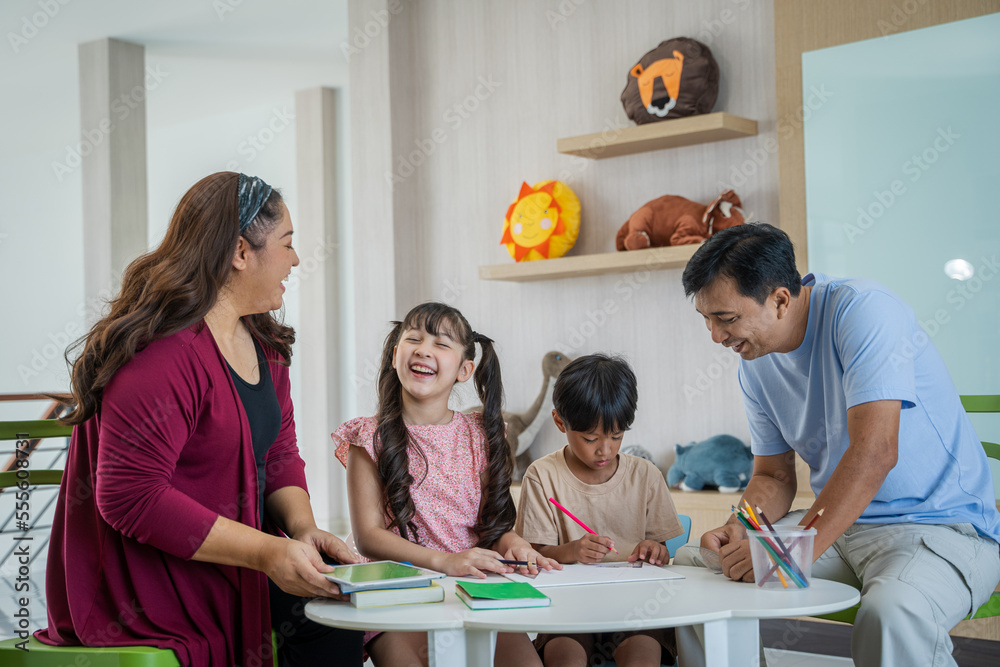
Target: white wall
pixel 215 83
pixel 557 69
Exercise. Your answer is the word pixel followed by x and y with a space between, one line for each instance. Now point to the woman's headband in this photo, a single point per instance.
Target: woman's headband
pixel 251 195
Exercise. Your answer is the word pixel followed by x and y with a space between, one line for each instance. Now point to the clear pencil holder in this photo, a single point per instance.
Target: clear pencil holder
pixel 782 558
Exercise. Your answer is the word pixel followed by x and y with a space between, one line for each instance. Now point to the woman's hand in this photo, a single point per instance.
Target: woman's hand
pixel 472 562
pixel 591 548
pixel 654 553
pixel 329 544
pixel 296 567
pixel 536 561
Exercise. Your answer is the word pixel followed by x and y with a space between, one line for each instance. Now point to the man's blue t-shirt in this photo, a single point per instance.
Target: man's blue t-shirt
pixel 863 344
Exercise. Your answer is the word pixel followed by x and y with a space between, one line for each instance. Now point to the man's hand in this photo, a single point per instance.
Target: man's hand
pixel 654 553
pixel 717 538
pixel 729 541
pixel 736 562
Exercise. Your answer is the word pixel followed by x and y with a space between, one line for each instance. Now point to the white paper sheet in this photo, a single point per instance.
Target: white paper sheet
pixel 579 574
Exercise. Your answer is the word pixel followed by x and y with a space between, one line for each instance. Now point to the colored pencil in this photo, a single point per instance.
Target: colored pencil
pixel 796 541
pixel 514 562
pixel 774 557
pixel 786 563
pixel 787 552
pixel 582 524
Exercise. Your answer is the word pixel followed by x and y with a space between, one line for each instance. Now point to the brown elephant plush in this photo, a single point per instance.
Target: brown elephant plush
pixel 673 220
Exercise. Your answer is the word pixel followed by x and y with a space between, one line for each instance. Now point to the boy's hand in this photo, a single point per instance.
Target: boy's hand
pixel 591 548
pixel 654 553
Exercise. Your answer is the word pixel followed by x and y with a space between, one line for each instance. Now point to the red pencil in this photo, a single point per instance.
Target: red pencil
pixel 818 515
pixel 582 524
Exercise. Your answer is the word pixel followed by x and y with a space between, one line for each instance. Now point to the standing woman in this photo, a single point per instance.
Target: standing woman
pixel 183 468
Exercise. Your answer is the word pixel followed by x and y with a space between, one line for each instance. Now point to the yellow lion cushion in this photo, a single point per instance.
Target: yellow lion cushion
pixel 543 222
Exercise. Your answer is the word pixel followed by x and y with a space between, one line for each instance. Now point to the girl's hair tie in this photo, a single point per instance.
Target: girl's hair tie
pixel 480 338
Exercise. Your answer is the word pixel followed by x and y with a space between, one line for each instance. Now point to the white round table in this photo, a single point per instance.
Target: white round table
pixel 726 615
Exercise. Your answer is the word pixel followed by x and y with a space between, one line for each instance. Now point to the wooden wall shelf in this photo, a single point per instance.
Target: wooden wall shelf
pixel 702 129
pixel 651 259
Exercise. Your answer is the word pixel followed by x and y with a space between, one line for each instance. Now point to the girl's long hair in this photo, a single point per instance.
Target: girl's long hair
pixel 394 445
pixel 173 287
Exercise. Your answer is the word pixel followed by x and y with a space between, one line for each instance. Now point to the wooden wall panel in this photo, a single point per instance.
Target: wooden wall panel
pixel 480 93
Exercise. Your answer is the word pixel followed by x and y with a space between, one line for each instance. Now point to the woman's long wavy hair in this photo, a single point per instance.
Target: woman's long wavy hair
pixel 393 443
pixel 173 287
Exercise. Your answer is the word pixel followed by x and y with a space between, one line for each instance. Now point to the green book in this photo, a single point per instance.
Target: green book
pixel 500 595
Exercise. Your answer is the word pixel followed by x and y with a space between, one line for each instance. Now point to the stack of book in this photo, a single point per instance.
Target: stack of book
pixel 387 583
pixel 500 595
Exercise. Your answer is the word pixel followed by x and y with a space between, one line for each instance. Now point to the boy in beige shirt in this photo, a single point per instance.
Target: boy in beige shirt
pixel 624 498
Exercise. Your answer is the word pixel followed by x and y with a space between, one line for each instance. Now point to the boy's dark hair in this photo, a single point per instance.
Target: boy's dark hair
pixel 758 257
pixel 596 390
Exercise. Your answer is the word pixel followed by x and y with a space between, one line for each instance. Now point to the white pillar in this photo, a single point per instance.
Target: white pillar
pixel 372 192
pixel 113 125
pixel 318 333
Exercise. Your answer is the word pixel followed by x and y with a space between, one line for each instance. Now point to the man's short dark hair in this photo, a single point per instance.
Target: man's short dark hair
pixel 758 257
pixel 596 390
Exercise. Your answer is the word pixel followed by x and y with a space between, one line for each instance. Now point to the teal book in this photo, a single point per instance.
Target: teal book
pixel 500 595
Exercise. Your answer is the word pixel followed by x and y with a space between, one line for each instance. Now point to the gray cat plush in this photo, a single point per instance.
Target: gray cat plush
pixel 721 461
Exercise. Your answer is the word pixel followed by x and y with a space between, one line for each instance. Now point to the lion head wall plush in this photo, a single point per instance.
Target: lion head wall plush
pixel 678 78
pixel 673 220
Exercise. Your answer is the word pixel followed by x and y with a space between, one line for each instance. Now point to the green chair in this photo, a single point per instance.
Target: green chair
pixel 990 608
pixel 43 655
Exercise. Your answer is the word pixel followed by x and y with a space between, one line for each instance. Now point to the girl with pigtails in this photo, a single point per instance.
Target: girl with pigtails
pixel 429 485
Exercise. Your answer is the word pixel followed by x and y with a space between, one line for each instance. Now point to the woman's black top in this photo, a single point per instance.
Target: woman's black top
pixel 260 402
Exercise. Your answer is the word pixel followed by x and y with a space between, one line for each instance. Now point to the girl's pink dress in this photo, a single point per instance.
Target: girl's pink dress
pixel 447 491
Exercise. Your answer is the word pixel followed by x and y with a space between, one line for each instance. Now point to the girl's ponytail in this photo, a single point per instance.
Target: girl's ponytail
pixel 392 460
pixel 498 513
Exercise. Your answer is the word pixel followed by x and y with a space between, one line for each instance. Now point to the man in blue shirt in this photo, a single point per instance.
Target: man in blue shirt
pixel 840 372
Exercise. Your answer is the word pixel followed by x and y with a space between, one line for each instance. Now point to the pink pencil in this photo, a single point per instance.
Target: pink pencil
pixel 582 524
